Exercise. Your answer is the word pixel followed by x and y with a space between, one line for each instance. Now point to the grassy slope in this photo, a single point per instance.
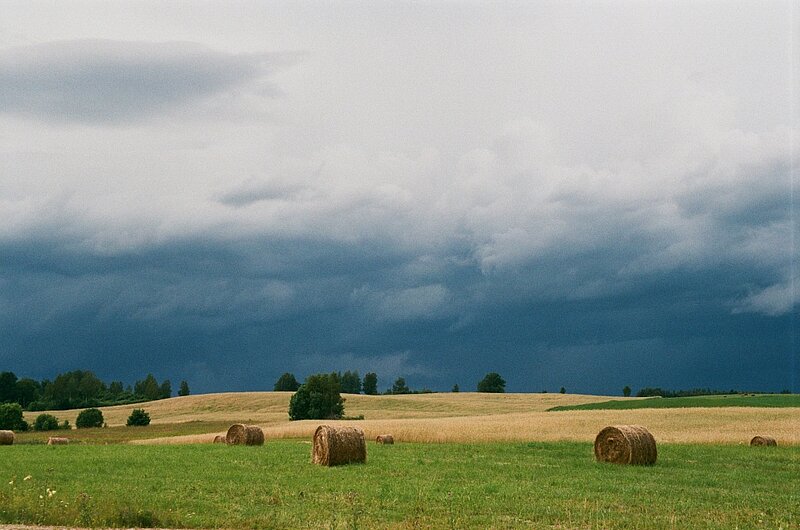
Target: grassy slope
pixel 733 400
pixel 446 417
pixel 513 485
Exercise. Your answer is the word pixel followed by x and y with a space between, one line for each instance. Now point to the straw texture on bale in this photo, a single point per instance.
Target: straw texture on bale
pixel 334 446
pixel 55 440
pixel 219 439
pixel 6 437
pixel 764 440
pixel 625 444
pixel 386 439
pixel 239 434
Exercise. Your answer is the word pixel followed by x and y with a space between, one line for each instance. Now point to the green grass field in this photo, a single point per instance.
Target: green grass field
pixel 728 400
pixel 488 485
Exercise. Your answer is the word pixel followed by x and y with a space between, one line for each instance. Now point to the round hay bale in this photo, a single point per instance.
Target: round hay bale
pixel 240 434
pixel 766 441
pixel 219 439
pixel 333 446
pixel 6 437
pixel 625 444
pixel 55 440
pixel 385 439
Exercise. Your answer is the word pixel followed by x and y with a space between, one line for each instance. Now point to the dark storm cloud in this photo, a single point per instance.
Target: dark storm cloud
pixel 305 306
pixel 102 81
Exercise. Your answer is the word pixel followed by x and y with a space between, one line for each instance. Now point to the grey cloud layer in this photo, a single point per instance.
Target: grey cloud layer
pixel 550 193
pixel 100 81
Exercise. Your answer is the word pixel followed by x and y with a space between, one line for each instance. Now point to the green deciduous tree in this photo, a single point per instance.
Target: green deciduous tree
pixel 89 418
pixel 147 388
pixel 351 383
pixel 165 389
pixel 11 417
pixel 455 388
pixel 286 383
pixel 318 398
pixel 370 383
pixel 8 387
pixel 626 391
pixel 492 382
pixel 400 387
pixel 45 422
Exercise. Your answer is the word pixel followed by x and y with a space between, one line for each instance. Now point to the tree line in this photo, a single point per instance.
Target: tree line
pixel 80 389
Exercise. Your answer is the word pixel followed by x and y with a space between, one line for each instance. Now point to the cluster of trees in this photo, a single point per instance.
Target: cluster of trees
pixel 656 391
pixel 81 388
pixel 349 382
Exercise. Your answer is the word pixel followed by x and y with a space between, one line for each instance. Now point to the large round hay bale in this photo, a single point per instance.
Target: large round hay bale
pixel 386 439
pixel 219 439
pixel 240 434
pixel 56 440
pixel 625 444
pixel 6 437
pixel 767 441
pixel 333 446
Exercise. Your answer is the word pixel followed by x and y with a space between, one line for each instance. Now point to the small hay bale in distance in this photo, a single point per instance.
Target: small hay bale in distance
pixel 333 446
pixel 240 434
pixel 765 441
pixel 625 444
pixel 57 440
pixel 6 437
pixel 219 439
pixel 385 439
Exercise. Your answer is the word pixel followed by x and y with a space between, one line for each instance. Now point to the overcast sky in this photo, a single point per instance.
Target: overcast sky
pixel 578 194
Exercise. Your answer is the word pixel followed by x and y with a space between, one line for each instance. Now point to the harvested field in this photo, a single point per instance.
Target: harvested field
pixel 452 417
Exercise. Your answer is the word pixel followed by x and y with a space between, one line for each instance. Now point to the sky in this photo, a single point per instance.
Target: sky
pixel 577 194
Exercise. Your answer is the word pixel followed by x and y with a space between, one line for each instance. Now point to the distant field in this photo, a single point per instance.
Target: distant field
pixel 408 485
pixel 440 418
pixel 731 400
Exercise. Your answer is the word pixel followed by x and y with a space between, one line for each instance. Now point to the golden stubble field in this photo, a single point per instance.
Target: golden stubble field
pixel 466 417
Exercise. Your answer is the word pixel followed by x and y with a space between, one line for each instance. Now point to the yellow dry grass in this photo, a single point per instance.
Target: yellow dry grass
pixel 473 417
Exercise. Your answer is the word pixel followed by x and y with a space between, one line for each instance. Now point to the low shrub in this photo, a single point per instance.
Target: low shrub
pixel 45 422
pixel 138 418
pixel 89 418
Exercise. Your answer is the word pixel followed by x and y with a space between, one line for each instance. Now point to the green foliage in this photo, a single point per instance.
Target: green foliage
pixel 147 388
pixel 27 391
pixel 184 389
pixel 455 388
pixel 116 388
pixel 400 387
pixel 75 389
pixel 138 418
pixel 736 400
pixel 45 422
pixel 11 417
pixel 563 390
pixel 351 382
pixel 286 383
pixel 370 383
pixel 165 390
pixel 626 391
pixel 317 398
pixel 8 387
pixel 492 382
pixel 89 418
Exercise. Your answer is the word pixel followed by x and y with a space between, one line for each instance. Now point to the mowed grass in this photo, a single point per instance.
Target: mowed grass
pixel 408 485
pixel 729 400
